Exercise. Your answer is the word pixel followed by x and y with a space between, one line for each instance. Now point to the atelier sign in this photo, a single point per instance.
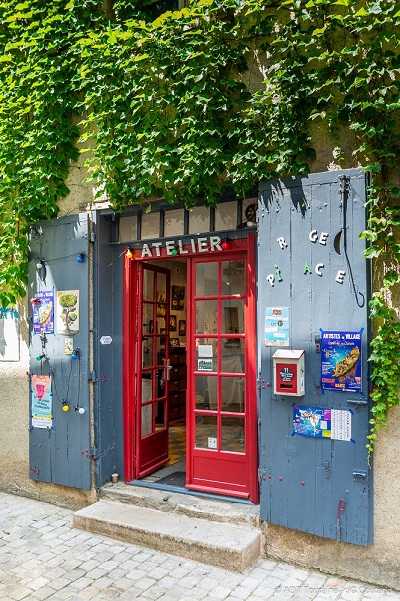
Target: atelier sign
pixel 177 247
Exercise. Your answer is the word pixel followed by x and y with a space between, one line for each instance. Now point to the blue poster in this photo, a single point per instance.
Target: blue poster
pixel 341 361
pixel 43 313
pixel 311 421
pixel 321 422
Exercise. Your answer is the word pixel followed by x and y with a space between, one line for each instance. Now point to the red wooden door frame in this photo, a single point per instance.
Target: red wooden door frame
pixel 241 250
pixel 130 308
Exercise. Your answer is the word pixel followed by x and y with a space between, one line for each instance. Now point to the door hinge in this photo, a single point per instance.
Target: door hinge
pixel 359 475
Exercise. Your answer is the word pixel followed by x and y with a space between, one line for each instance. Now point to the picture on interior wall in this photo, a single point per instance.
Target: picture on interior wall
pixel 162 338
pixel 178 297
pixel 172 323
pixel 174 342
pixel 161 310
pixel 182 327
pixel 161 296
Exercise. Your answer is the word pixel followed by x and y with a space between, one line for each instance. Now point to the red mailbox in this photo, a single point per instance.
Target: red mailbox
pixel 288 372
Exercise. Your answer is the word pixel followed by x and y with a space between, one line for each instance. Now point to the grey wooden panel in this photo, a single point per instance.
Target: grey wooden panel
pixel 61 455
pixel 304 478
pixel 108 420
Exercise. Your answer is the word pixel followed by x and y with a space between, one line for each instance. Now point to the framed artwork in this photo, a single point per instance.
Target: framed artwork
pixel 161 310
pixel 172 323
pixel 174 342
pixel 182 327
pixel 162 338
pixel 178 298
pixel 161 296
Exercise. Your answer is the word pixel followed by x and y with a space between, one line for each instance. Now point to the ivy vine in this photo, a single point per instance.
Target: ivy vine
pixel 168 107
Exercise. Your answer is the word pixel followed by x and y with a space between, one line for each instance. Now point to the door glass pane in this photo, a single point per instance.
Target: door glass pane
pixel 207 354
pixel 147 420
pixel 199 220
pixel 150 225
pixel 160 344
pixel 160 415
pixel 161 287
pixel 226 216
pixel 173 223
pixel 147 352
pixel 147 386
pixel 148 285
pixel 202 392
pixel 206 431
pixel 233 277
pixel 160 383
pixel 233 434
pixel 212 390
pixel 233 316
pixel 206 317
pixel 148 322
pixel 232 394
pixel 207 279
pixel 232 355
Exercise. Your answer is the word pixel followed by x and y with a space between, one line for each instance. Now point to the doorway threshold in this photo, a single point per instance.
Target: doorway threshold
pixel 185 491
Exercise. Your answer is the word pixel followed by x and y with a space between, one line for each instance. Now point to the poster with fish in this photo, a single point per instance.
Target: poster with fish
pixel 42 401
pixel 43 313
pixel 341 361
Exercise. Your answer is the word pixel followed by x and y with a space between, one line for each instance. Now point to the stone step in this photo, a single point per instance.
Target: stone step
pixel 224 545
pixel 199 506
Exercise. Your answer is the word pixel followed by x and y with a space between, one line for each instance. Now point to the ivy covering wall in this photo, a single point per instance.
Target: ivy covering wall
pixel 165 111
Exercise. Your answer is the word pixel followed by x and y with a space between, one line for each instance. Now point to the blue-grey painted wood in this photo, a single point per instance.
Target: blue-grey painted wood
pixel 108 421
pixel 303 479
pixel 61 455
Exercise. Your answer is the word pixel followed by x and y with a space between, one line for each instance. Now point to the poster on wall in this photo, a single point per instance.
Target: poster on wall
pixel 341 361
pixel 322 423
pixel 276 331
pixel 9 334
pixel 68 312
pixel 43 313
pixel 178 298
pixel 41 401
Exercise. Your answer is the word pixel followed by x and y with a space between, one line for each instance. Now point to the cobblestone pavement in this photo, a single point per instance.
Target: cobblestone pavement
pixel 43 557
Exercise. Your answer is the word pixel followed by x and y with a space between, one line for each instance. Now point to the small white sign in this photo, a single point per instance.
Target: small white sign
pixel 205 350
pixel 105 340
pixel 212 443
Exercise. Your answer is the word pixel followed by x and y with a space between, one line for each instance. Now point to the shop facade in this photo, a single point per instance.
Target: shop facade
pixel 231 342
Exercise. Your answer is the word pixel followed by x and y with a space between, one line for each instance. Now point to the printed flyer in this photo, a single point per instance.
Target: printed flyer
pixel 341 361
pixel 276 330
pixel 41 402
pixel 43 313
pixel 322 423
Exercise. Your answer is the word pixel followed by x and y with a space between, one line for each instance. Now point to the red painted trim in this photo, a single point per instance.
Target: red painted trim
pixel 251 376
pixel 128 312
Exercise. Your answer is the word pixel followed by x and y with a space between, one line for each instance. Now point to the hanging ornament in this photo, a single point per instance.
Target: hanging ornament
pixel 129 254
pixel 80 258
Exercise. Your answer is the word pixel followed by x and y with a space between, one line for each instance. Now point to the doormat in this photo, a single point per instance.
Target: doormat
pixel 174 479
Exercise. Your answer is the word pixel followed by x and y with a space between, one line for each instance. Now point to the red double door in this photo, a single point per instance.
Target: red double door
pixel 221 407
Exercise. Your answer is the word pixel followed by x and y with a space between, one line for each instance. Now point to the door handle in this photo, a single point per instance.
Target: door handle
pixel 168 368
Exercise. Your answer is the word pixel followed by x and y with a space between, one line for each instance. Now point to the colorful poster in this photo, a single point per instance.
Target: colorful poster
pixel 68 312
pixel 322 423
pixel 341 361
pixel 276 331
pixel 43 313
pixel 42 399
